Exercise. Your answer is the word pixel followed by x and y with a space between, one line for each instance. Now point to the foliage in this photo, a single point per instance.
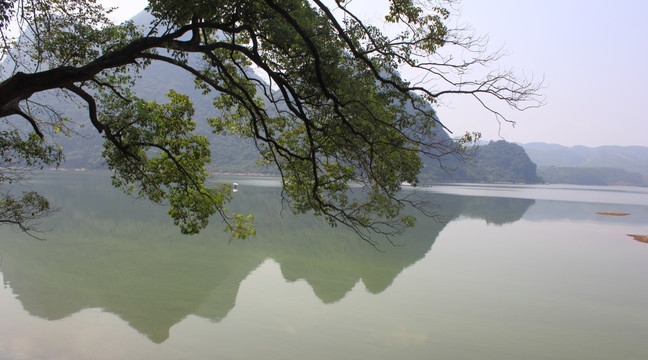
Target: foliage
pixel 24 211
pixel 333 109
pixel 18 155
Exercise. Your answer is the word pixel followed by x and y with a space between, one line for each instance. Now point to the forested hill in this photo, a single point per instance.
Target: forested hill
pixel 495 162
pixel 603 165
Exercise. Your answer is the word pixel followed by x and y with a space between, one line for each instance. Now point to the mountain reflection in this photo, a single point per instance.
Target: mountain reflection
pixel 125 257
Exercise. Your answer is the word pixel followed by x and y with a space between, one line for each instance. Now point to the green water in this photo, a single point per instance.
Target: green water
pixel 503 272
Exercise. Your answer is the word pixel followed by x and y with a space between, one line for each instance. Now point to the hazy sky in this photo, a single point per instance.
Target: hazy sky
pixel 593 56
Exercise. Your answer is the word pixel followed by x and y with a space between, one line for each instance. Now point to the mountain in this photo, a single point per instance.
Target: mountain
pixel 629 158
pixel 495 162
pixel 603 165
pixel 591 176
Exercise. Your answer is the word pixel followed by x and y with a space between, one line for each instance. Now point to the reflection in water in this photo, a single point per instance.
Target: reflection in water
pixel 498 211
pixel 124 257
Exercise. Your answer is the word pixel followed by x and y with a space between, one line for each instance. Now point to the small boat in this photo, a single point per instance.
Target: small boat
pixel 234 187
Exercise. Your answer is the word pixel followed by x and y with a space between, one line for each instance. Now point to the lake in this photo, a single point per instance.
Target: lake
pixel 502 272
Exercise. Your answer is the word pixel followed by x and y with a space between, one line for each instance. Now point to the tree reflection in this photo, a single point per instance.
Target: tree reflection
pixel 125 257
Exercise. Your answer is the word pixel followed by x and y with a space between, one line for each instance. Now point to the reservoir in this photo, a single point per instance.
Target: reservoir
pixel 499 272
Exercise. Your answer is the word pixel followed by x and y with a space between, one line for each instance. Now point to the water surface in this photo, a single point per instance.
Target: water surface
pixel 503 272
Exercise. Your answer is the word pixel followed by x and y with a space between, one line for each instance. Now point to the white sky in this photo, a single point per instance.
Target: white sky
pixel 592 54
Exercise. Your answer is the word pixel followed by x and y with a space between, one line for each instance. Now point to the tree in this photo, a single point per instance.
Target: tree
pixel 317 89
pixel 17 157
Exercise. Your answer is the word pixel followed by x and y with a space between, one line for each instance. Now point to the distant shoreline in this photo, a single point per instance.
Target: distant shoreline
pixel 259 174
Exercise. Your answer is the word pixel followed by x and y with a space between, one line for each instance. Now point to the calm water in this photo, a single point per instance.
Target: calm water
pixel 504 272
